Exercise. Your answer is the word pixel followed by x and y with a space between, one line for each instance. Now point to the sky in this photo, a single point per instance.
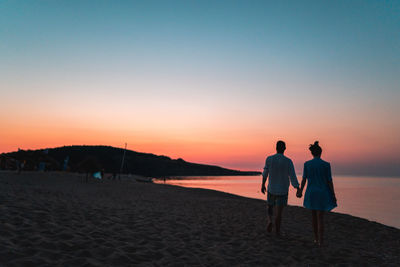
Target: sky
pixel 215 82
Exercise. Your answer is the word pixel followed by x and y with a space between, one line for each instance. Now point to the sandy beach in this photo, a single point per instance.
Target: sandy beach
pixel 53 219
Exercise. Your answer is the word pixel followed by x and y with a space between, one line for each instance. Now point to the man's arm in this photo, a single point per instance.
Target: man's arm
pixel 264 177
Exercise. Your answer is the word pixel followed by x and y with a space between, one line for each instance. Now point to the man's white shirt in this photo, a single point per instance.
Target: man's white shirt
pixel 279 170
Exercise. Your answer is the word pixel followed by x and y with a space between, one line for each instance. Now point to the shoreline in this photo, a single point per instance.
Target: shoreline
pixel 259 199
pixel 54 218
pixel 357 207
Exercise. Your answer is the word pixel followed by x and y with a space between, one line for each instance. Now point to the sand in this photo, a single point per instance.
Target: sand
pixel 53 219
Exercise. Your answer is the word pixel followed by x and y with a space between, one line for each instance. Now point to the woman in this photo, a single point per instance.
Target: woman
pixel 320 195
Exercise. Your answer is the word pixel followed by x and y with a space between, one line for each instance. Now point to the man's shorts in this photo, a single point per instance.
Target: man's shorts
pixel 277 200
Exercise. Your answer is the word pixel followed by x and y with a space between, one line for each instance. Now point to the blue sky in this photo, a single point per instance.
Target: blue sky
pixel 223 64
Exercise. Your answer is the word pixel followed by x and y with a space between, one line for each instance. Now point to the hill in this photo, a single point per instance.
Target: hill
pixel 83 158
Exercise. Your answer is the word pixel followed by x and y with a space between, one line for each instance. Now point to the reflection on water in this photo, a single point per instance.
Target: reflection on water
pixel 373 198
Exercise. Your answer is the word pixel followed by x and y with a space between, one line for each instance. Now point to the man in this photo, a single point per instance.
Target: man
pixel 280 170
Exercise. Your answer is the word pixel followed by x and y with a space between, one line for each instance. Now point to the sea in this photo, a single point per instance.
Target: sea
pixel 373 198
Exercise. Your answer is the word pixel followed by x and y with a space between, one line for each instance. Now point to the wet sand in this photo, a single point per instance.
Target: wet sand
pixel 49 219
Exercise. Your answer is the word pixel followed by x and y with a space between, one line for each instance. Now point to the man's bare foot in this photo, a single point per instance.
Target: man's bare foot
pixel 269 227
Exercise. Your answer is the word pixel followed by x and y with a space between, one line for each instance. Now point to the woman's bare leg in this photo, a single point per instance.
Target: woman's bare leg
pixel 320 214
pixel 315 225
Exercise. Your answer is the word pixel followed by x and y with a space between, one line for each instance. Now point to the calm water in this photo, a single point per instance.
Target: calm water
pixel 373 198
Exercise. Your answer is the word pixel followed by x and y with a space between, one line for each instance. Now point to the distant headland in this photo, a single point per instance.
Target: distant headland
pixel 109 160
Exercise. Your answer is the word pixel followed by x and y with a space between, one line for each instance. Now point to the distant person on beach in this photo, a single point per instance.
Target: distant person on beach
pixel 280 171
pixel 320 194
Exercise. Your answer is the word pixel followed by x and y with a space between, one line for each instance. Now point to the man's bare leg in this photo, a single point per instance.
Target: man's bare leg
pixel 278 219
pixel 270 214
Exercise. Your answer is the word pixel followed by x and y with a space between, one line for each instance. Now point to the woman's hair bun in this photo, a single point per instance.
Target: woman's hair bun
pixel 315 149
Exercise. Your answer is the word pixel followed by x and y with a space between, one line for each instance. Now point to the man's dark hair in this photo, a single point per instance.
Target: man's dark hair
pixel 280 146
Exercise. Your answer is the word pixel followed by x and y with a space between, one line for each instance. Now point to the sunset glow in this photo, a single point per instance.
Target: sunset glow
pixel 210 83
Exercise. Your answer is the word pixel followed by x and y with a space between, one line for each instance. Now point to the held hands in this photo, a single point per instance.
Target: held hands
pixel 299 192
pixel 263 189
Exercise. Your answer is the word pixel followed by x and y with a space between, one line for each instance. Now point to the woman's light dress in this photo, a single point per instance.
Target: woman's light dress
pixel 318 195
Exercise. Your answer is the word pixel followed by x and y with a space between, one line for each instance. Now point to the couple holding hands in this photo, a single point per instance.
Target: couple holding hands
pixel 319 196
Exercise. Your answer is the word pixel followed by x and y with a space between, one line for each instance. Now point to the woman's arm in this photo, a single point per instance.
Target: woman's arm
pixel 303 183
pixel 330 184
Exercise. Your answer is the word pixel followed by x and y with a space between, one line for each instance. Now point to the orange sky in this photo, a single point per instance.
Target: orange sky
pixel 210 82
pixel 242 145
